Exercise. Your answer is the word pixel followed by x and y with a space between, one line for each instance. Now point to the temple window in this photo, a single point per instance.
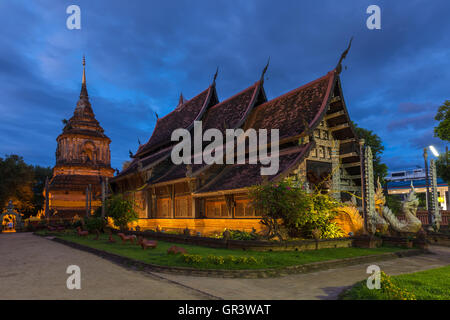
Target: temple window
pixel 216 208
pixel 183 207
pixel 244 209
pixel 163 208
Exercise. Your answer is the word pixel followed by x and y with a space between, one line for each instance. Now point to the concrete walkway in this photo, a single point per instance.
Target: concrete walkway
pixel 323 285
pixel 32 267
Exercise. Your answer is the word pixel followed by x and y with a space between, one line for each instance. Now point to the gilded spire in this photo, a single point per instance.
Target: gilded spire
pixel 84 71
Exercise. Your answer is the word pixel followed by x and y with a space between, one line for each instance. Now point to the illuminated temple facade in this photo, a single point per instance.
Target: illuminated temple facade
pixel 317 143
pixel 82 159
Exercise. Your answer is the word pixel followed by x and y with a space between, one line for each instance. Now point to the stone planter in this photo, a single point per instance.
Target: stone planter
pixel 420 243
pixel 367 241
pixel 439 239
pixel 398 242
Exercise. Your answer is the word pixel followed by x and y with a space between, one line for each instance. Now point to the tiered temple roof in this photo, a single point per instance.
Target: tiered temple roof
pixel 83 121
pixel 292 111
pixel 159 146
pixel 239 176
pixel 183 116
pixel 296 114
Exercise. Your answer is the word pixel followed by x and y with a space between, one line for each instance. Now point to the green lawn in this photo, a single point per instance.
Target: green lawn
pixel 433 284
pixel 266 259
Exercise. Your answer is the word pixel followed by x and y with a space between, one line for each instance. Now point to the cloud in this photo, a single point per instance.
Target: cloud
pixel 141 56
pixel 411 107
pixel 425 139
pixel 405 121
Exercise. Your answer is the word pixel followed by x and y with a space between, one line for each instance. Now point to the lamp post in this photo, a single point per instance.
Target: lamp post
pixel 427 181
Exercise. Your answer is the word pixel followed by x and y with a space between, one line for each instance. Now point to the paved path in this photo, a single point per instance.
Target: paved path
pixel 325 284
pixel 32 267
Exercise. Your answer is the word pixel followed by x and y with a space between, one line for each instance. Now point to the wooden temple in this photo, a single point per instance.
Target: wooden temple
pixel 82 162
pixel 317 143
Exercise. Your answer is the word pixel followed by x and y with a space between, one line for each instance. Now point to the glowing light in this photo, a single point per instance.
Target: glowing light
pixel 434 151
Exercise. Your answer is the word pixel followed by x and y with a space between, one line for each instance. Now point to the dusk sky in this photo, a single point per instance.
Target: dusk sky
pixel 141 54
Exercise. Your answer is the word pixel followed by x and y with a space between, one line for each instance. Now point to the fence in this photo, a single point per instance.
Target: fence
pixel 423 217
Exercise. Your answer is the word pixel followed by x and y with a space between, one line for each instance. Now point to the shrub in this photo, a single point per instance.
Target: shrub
pixel 392 291
pixel 332 230
pixel 288 206
pixel 192 258
pixel 216 259
pixel 241 260
pixel 121 210
pixel 242 235
pixel 95 223
pixel 77 223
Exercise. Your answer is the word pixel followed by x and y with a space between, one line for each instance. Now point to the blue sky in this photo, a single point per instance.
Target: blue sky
pixel 141 54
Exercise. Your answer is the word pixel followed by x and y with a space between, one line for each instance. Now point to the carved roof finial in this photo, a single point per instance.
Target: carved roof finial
pixel 343 55
pixel 215 77
pixel 181 100
pixel 265 70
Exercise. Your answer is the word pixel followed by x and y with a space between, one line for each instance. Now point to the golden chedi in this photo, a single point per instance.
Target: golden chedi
pixel 82 158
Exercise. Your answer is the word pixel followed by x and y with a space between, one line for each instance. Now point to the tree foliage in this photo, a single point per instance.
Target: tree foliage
pixel 394 202
pixel 442 131
pixel 23 184
pixel 374 141
pixel 121 210
pixel 40 175
pixel 443 166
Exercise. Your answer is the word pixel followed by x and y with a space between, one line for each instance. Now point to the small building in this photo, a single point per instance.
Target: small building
pixel 406 175
pixel 317 144
pixel 82 160
pixel 402 187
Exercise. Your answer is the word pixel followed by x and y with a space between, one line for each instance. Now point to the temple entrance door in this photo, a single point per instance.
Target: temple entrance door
pixel 318 174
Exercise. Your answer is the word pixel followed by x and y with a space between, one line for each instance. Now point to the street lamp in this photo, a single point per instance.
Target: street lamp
pixel 427 181
pixel 434 151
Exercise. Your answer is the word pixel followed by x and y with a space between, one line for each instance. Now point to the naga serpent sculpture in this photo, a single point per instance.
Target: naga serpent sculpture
pixel 385 218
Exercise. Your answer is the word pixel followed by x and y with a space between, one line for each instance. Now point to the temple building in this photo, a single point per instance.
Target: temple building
pixel 317 145
pixel 82 161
